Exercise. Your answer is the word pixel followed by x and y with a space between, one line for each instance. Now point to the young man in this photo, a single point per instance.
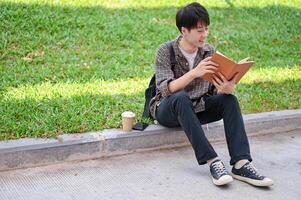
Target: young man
pixel 184 99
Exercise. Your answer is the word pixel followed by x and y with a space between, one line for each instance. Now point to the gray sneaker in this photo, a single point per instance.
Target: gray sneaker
pixel 220 176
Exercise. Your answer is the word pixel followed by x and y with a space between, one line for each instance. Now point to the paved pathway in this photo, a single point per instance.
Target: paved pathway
pixel 167 174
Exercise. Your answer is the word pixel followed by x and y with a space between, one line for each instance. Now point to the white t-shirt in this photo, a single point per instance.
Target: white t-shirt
pixel 189 57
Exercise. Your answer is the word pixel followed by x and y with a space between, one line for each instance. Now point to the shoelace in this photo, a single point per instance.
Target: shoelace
pixel 252 169
pixel 219 167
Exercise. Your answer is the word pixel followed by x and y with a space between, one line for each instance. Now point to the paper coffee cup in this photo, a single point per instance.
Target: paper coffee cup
pixel 128 119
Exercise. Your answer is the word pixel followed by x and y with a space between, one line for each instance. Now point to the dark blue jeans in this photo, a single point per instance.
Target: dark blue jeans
pixel 177 110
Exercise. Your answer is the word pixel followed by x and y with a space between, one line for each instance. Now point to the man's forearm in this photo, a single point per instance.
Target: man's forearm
pixel 181 82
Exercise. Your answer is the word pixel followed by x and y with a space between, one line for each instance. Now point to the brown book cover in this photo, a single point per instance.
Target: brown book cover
pixel 229 68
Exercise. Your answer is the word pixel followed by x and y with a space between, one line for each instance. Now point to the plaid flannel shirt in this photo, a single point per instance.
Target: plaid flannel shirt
pixel 196 89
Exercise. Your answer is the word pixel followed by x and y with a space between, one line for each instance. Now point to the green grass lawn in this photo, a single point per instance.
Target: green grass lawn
pixel 75 66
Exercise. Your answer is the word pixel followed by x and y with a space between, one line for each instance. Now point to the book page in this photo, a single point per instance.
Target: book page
pixel 222 55
pixel 244 60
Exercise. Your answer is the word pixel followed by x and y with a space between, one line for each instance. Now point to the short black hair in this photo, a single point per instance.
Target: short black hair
pixel 190 15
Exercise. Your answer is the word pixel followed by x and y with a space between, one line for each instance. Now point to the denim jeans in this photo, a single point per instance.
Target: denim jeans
pixel 177 110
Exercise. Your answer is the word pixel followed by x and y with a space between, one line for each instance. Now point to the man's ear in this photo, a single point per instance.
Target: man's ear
pixel 184 30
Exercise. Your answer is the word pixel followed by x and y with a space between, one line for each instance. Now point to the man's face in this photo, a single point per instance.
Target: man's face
pixel 197 36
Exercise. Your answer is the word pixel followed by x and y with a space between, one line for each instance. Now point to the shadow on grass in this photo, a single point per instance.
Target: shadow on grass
pixel 51 117
pixel 51 43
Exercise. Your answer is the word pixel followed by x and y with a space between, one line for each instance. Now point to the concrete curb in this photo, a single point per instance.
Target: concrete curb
pixel 74 147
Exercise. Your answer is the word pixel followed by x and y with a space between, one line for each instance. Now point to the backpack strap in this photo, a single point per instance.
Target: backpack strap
pixel 172 55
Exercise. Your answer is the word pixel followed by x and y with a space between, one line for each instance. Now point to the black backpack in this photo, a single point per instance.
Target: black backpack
pixel 150 92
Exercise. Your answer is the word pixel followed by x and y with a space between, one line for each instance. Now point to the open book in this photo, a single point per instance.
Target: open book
pixel 228 68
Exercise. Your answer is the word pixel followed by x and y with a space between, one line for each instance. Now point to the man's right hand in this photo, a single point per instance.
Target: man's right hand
pixel 204 67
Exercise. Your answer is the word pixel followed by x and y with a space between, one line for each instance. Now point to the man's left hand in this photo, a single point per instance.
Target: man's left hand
pixel 223 85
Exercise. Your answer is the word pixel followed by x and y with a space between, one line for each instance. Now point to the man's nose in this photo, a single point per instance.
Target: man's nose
pixel 204 35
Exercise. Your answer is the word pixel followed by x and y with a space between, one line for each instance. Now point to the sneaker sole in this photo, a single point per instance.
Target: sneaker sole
pixel 223 180
pixel 253 182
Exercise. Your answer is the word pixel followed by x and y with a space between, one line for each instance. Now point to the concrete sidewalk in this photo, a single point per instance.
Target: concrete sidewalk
pixel 166 174
pixel 74 147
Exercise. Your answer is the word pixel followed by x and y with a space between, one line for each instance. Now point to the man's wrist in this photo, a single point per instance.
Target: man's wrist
pixel 191 74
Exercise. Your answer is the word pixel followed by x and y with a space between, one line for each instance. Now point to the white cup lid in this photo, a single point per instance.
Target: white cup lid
pixel 128 114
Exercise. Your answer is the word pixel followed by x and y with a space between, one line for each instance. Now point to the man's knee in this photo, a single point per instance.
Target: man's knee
pixel 181 98
pixel 229 100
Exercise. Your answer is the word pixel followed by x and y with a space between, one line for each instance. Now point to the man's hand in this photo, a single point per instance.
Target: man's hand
pixel 223 85
pixel 204 67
